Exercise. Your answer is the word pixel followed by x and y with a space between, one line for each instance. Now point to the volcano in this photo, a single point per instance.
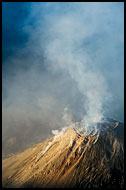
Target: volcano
pixel 71 159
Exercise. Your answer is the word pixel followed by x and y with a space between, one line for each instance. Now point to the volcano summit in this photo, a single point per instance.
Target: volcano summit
pixel 71 159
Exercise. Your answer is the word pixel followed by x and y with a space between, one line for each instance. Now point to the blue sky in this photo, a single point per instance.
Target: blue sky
pixel 14 15
pixel 58 55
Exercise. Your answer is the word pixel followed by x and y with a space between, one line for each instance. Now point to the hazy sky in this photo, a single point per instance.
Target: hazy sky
pixel 57 56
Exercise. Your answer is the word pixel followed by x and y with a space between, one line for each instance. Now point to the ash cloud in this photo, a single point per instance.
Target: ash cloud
pixel 73 55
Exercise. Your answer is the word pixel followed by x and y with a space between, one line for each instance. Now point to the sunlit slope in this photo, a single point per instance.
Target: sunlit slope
pixel 70 160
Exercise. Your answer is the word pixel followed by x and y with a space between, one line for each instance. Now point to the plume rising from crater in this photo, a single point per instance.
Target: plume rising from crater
pixel 62 55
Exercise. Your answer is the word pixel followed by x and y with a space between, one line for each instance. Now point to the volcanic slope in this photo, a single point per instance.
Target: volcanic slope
pixel 71 159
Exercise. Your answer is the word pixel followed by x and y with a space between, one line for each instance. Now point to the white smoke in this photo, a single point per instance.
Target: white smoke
pixel 64 51
pixel 66 117
pixel 55 132
pixel 69 51
pixel 58 133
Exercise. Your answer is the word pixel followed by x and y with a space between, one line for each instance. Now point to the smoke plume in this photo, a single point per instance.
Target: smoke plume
pixel 69 67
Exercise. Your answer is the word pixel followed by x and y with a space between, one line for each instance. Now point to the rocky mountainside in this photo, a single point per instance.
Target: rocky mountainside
pixel 70 159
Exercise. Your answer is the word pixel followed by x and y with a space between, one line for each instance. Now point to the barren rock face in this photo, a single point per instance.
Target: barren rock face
pixel 71 159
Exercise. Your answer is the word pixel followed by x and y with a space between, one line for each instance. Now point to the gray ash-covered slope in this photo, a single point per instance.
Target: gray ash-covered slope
pixel 71 159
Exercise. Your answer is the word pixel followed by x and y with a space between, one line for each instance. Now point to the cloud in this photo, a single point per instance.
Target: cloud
pixel 65 50
pixel 73 56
